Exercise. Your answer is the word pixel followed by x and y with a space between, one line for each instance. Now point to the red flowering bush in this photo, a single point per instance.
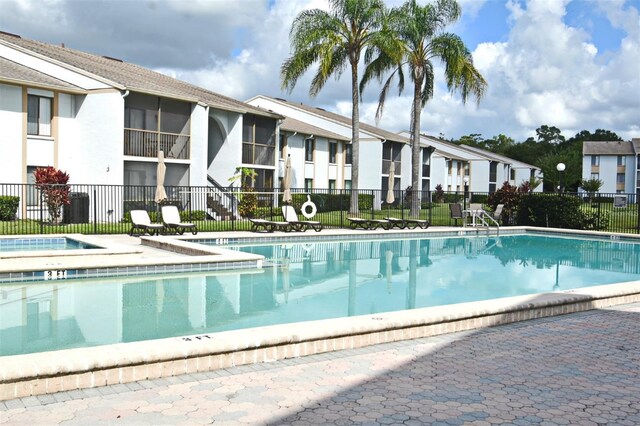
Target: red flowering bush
pixel 55 191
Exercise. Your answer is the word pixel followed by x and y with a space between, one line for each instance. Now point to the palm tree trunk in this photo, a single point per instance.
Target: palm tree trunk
pixel 355 134
pixel 415 150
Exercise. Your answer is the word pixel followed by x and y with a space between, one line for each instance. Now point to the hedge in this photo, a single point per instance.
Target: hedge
pixel 8 207
pixel 551 210
pixel 332 202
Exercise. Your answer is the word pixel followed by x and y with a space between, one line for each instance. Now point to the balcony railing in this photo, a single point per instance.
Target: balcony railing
pixel 147 143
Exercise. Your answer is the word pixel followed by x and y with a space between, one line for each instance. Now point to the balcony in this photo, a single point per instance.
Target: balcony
pixel 147 143
pixel 261 155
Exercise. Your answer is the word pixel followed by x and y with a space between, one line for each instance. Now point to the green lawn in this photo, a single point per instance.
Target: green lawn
pixel 620 220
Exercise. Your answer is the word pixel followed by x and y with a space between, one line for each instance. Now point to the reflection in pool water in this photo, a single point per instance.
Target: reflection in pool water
pixel 315 280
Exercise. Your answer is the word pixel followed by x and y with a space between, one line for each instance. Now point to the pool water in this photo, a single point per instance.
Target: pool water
pixel 46 243
pixel 302 282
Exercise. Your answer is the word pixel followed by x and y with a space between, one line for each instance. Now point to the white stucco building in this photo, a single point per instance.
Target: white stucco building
pixel 322 158
pixel 103 121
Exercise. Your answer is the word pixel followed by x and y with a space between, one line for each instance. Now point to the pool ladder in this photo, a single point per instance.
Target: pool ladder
pixel 486 221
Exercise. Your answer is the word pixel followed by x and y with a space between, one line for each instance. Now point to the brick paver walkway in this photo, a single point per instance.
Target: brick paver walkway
pixel 574 369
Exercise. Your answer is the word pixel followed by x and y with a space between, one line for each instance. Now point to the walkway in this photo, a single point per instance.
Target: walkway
pixel 575 369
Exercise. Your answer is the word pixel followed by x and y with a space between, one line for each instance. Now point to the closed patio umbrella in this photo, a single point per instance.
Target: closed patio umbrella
pixel 391 198
pixel 286 181
pixel 161 194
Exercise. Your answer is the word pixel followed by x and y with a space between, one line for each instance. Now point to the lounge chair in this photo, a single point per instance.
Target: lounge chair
pixel 171 220
pixel 291 216
pixel 456 212
pixel 408 223
pixel 141 221
pixel 497 213
pixel 269 225
pixel 368 224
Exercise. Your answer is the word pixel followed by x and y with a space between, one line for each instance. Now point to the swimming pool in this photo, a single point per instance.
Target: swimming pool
pixel 305 281
pixel 8 244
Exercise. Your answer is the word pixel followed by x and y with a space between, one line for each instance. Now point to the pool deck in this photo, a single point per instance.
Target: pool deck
pixel 33 375
pixel 572 369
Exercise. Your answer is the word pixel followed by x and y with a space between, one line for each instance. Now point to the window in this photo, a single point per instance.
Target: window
pixel 622 160
pixel 425 185
pixel 258 140
pixel 247 128
pixel 39 115
pixel 332 185
pixel 513 174
pixel 33 196
pixel 595 160
pixel 333 150
pixel 308 184
pixel 493 171
pixel 347 184
pixel 309 146
pixel 426 163
pixel 492 187
pixel 348 154
pixel 134 118
pixel 620 178
pixel 595 176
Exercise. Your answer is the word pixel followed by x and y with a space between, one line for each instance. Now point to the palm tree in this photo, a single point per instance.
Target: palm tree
pixel 334 39
pixel 420 32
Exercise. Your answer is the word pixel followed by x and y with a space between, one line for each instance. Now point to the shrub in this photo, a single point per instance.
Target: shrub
pixel 8 207
pixel 248 205
pixel 594 221
pixel 188 215
pixel 550 210
pixel 452 198
pixel 479 198
pixel 53 185
pixel 438 194
pixel 507 195
pixel 331 202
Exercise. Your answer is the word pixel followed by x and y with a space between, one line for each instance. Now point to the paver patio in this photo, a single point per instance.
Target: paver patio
pixel 575 369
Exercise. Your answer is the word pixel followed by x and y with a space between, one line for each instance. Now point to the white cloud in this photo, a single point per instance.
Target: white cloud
pixel 543 72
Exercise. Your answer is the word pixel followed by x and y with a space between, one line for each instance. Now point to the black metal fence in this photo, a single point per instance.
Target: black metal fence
pixel 104 209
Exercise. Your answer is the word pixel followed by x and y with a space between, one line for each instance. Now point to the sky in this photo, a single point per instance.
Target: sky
pixel 573 64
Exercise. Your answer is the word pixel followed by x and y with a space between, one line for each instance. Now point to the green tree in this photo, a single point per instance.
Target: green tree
pixel 420 33
pixel 335 39
pixel 591 186
pixel 472 139
pixel 499 144
pixel 550 134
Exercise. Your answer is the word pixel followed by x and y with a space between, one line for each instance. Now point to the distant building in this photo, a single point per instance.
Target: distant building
pixel 616 164
pixel 451 163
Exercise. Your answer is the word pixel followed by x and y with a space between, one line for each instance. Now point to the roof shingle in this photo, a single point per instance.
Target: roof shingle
pixel 607 148
pixel 131 76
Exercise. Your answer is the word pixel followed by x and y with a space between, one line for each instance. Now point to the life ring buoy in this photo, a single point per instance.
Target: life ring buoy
pixel 308 208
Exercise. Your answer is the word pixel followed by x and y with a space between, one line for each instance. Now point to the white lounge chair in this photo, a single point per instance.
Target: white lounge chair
pixel 269 225
pixel 140 221
pixel 171 220
pixel 291 216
